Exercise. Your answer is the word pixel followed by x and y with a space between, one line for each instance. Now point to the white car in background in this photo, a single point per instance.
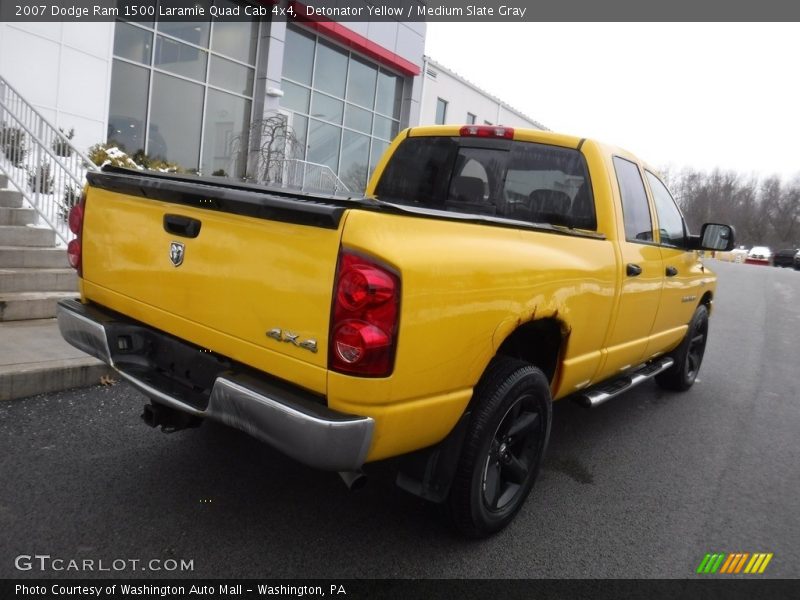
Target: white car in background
pixel 759 255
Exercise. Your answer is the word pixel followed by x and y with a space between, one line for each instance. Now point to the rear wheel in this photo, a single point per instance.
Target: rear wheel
pixel 688 355
pixel 503 448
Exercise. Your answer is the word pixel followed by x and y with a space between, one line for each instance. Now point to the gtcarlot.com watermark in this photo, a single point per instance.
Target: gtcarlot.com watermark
pixel 46 562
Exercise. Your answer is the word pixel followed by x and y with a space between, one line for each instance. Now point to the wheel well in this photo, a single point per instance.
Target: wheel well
pixel 706 299
pixel 538 343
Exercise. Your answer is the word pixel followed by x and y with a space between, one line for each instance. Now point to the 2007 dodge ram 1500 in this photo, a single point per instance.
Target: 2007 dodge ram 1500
pixel 486 272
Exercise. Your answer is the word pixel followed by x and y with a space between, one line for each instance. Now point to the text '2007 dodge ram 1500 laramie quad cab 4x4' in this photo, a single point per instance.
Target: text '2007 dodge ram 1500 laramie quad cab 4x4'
pixel 487 272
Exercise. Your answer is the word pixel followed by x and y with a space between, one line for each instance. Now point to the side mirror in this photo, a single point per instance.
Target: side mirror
pixel 715 236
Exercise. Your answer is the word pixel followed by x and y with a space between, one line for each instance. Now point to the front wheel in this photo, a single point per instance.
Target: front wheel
pixel 503 449
pixel 688 355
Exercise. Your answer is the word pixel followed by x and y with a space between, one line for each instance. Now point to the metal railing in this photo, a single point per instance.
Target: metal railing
pixel 304 176
pixel 40 161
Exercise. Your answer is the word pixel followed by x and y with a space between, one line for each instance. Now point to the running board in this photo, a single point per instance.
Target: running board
pixel 609 389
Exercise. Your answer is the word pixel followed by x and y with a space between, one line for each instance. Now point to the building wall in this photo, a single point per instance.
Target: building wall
pixel 64 70
pixel 463 97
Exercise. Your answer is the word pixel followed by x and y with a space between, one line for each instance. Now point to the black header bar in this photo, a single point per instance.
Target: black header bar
pixel 488 11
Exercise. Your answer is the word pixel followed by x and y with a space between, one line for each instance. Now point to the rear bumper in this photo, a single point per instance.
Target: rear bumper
pixel 284 416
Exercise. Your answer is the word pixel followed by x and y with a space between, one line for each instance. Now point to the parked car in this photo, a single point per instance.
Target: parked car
pixel 785 257
pixel 738 255
pixel 758 255
pixel 797 261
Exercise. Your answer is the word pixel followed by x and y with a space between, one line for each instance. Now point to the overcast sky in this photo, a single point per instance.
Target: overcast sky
pixel 700 95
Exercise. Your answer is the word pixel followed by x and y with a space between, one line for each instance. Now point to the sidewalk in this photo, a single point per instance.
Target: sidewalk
pixel 35 359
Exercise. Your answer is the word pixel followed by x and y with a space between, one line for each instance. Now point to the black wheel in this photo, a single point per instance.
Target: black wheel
pixel 688 355
pixel 503 447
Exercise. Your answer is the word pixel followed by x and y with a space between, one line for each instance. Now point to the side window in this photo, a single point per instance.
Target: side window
pixel 635 210
pixel 670 221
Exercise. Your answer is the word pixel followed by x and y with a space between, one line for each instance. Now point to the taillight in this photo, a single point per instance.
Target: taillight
pixel 75 220
pixel 366 310
pixel 487 131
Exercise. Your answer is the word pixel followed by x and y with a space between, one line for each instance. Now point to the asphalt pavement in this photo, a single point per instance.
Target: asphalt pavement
pixel 642 486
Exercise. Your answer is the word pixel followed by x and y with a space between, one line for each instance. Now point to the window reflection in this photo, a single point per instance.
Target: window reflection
pixel 175 124
pixel 128 106
pixel 180 59
pixel 354 105
pixel 330 70
pixel 194 32
pixel 355 161
pixel 226 134
pixel 231 76
pixel 133 43
pixel 323 144
pixel 237 39
pixel 182 112
pixel 361 83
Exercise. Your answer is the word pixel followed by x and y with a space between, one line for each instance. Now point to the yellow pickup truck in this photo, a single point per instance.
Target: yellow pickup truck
pixel 486 272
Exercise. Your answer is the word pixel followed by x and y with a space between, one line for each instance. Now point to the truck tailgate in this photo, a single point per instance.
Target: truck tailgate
pixel 244 273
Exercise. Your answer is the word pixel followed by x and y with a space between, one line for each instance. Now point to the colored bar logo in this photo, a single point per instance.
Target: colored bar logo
pixel 734 563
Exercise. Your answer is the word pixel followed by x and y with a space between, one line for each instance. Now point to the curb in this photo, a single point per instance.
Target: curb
pixel 21 381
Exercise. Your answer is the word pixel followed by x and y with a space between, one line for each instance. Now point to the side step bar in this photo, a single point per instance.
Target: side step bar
pixel 609 389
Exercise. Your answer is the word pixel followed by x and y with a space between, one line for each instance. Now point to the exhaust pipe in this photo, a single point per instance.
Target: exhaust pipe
pixel 354 480
pixel 169 419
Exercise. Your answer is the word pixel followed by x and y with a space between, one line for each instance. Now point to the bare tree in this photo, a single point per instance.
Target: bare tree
pixel 272 142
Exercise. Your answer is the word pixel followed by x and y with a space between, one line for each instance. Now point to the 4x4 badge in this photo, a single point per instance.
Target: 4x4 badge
pixel 176 252
pixel 292 338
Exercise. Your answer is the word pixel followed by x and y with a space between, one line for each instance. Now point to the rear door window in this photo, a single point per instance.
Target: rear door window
pixel 524 181
pixel 635 209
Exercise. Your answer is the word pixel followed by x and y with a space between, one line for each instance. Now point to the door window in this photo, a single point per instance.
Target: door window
pixel 635 209
pixel 670 221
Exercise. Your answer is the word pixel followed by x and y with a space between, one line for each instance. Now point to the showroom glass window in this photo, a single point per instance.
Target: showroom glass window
pixel 183 91
pixel 344 109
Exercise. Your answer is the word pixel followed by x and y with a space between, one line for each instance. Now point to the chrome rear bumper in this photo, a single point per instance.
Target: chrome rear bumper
pixel 284 416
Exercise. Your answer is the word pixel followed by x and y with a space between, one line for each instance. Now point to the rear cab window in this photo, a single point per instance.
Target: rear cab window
pixel 523 181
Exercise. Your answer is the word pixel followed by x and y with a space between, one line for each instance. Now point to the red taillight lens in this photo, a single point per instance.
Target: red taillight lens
pixel 364 317
pixel 74 253
pixel 75 220
pixel 361 284
pixel 487 131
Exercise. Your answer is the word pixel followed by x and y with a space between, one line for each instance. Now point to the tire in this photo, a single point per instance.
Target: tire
pixel 688 355
pixel 503 447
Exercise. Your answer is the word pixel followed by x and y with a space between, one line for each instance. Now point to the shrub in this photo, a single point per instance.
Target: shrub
pixel 110 154
pixel 156 164
pixel 219 173
pixel 61 145
pixel 13 144
pixel 41 179
pixel 72 195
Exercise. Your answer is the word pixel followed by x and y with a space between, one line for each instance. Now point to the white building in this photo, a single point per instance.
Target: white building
pixel 189 92
pixel 449 99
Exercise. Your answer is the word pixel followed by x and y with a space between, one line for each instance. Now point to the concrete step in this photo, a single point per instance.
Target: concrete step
pixel 17 216
pixel 10 198
pixel 23 306
pixel 3 181
pixel 38 280
pixel 32 257
pixel 22 235
pixel 35 359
